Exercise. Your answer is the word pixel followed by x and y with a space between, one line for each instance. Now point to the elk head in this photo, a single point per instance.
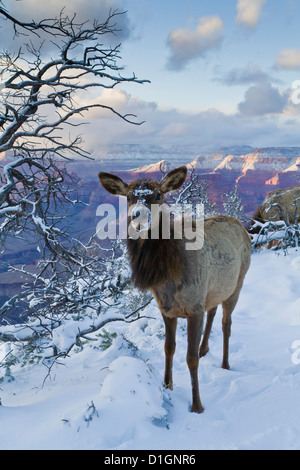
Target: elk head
pixel 142 194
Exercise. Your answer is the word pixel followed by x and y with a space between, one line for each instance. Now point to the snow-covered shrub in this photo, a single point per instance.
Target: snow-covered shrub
pixel 63 312
pixel 279 235
pixel 232 204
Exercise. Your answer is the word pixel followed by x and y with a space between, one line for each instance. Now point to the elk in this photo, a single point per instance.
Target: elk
pixel 282 204
pixel 186 283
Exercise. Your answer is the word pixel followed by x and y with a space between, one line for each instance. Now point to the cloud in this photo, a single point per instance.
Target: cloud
pixel 188 45
pixel 248 12
pixel 103 126
pixel 28 10
pixel 263 126
pixel 178 129
pixel 245 76
pixel 37 10
pixel 288 59
pixel 263 99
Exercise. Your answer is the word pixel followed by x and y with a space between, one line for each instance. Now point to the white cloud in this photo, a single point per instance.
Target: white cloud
pixel 288 59
pixel 263 99
pixel 178 129
pixel 187 45
pixel 262 120
pixel 249 11
pixel 247 75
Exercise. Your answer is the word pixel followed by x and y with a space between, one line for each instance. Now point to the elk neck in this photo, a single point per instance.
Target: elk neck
pixel 155 262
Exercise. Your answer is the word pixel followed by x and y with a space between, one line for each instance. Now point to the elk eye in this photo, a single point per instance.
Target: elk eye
pixel 158 197
pixel 128 197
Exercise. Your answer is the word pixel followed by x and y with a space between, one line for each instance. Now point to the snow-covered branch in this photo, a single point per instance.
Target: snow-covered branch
pixel 63 311
pixel 276 234
pixel 29 83
pixel 73 287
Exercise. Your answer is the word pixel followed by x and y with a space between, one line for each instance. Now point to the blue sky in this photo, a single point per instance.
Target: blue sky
pixel 198 85
pixel 222 72
pixel 236 88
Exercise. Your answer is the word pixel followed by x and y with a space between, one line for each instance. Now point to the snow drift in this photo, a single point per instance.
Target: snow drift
pixel 109 395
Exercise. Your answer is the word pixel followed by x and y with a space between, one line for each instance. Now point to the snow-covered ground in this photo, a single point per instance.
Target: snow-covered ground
pixel 113 398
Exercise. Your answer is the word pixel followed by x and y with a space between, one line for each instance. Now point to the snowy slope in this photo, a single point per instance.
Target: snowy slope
pixel 114 399
pixel 262 160
pixel 152 168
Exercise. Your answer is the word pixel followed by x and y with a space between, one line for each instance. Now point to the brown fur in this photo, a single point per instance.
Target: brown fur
pixel 154 261
pixel 288 208
pixel 257 216
pixel 188 283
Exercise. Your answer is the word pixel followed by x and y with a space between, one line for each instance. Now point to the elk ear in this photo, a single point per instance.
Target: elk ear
pixel 173 180
pixel 113 184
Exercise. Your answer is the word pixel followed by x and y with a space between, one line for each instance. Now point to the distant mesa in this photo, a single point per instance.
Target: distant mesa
pixel 162 166
pixel 273 181
pixel 255 171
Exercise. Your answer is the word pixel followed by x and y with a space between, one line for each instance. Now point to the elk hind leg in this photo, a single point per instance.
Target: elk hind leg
pixel 170 345
pixel 228 307
pixel 204 348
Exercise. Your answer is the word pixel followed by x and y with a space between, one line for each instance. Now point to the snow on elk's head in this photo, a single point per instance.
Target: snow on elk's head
pixel 143 193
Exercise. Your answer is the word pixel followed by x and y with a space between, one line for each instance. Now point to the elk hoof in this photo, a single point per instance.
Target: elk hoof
pixel 203 351
pixel 226 366
pixel 197 409
pixel 169 386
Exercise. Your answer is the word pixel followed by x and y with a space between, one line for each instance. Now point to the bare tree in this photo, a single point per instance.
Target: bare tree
pixel 32 87
pixel 31 83
pixel 38 104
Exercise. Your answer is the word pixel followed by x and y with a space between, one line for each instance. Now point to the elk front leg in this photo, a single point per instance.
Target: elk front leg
pixel 194 330
pixel 170 344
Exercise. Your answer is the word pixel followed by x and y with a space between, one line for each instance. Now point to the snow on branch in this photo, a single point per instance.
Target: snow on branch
pixel 276 234
pixel 64 311
pixel 30 82
pixel 74 288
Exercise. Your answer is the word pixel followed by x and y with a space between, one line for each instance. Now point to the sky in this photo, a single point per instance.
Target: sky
pixel 222 72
